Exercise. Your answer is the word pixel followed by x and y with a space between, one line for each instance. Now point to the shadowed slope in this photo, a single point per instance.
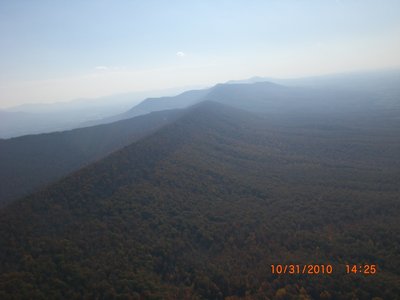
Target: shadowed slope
pixel 29 162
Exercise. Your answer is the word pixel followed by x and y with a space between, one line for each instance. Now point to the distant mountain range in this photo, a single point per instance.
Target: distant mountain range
pixel 335 92
pixel 382 86
pixel 203 205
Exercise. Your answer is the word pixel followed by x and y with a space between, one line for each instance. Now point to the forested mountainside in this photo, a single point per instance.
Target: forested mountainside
pixel 30 162
pixel 201 208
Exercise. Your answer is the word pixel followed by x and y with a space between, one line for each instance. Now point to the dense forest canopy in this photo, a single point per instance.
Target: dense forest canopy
pixel 201 208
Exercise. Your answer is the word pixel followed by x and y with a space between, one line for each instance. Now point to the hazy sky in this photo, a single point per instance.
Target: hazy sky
pixel 59 50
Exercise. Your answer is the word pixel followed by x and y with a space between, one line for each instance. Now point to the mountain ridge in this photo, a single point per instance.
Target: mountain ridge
pixel 201 208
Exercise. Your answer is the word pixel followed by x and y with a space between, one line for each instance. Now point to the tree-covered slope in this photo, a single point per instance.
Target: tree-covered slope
pixel 201 209
pixel 30 162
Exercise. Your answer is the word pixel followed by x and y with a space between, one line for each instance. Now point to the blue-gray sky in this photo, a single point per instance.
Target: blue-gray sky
pixel 53 50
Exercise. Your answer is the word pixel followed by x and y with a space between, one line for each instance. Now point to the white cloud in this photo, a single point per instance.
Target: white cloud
pixel 180 54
